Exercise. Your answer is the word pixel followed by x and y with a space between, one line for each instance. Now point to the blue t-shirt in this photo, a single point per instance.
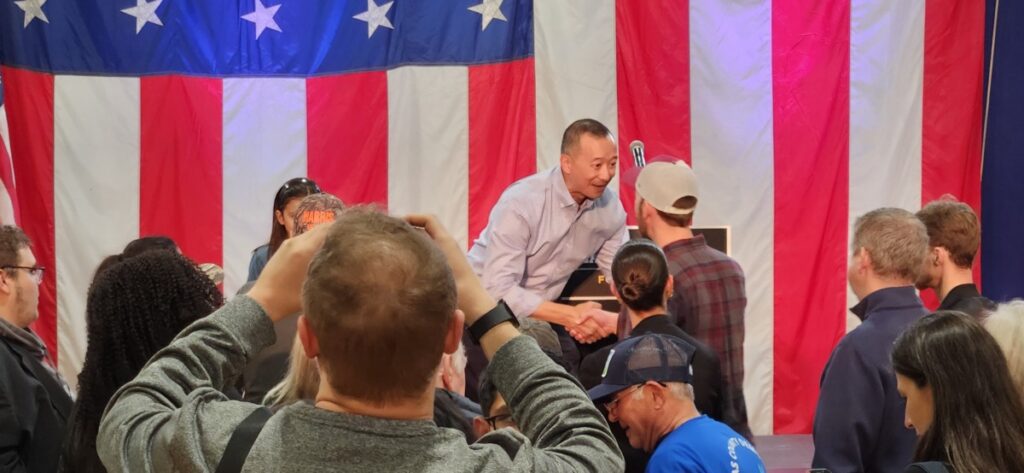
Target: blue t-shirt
pixel 705 445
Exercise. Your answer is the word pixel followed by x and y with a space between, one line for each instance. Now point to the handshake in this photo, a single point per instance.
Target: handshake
pixel 589 323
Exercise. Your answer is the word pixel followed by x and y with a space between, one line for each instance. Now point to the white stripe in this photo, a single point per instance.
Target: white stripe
pixel 731 121
pixel 574 62
pixel 96 186
pixel 5 132
pixel 6 207
pixel 264 146
pixel 6 204
pixel 428 144
pixel 886 87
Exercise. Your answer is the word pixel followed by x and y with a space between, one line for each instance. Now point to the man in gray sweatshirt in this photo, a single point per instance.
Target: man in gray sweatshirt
pixel 379 301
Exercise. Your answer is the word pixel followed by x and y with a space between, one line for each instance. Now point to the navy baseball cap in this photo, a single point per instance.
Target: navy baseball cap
pixel 636 360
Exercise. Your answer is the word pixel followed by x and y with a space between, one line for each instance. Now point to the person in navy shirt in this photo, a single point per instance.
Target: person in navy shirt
pixel 646 388
pixel 858 423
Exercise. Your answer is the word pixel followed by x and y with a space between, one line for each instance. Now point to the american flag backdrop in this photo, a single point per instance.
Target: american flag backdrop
pixel 182 118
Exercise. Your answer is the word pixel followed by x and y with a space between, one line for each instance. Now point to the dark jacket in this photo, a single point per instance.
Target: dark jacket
pixel 858 425
pixel 707 381
pixel 34 409
pixel 966 298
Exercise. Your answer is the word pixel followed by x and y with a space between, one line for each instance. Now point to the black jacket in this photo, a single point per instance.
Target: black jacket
pixel 34 409
pixel 966 298
pixel 707 381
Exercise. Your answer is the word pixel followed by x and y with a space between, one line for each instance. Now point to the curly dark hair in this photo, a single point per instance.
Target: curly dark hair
pixel 137 247
pixel 134 308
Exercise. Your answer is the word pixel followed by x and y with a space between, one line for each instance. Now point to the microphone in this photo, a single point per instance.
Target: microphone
pixel 636 148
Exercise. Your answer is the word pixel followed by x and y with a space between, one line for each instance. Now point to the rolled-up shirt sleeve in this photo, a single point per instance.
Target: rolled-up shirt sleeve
pixel 606 254
pixel 505 266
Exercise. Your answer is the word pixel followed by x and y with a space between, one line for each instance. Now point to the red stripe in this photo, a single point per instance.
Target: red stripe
pixel 502 134
pixel 653 80
pixel 7 180
pixel 810 81
pixel 954 47
pixel 29 101
pixel 180 170
pixel 347 136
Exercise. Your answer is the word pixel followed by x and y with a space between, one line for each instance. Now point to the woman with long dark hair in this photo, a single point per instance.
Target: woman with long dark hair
pixel 960 399
pixel 281 224
pixel 135 307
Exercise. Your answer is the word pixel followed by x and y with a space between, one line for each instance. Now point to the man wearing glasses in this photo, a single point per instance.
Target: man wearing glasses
pixel 34 401
pixel 496 413
pixel 646 388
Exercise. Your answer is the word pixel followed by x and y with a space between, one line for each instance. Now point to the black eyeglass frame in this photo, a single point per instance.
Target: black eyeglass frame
pixel 493 420
pixel 32 271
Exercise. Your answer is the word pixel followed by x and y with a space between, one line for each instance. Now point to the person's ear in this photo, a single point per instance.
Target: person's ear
pixel 566 163
pixel 615 290
pixel 658 394
pixel 279 216
pixel 310 344
pixel 6 284
pixel 669 287
pixel 480 426
pixel 865 260
pixel 454 334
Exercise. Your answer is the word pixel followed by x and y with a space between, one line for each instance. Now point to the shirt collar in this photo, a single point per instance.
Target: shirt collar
pixel 888 298
pixel 562 191
pixel 697 240
pixel 959 293
pixel 648 324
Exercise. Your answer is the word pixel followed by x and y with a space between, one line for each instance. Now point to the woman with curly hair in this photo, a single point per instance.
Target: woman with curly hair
pixel 960 397
pixel 135 307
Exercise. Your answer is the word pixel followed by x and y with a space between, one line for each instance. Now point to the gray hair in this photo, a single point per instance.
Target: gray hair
pixel 896 240
pixel 1006 324
pixel 680 391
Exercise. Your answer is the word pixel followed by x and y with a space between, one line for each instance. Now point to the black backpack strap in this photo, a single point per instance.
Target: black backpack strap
pixel 242 440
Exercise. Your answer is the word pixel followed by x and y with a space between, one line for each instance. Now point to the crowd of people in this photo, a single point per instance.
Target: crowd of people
pixel 369 342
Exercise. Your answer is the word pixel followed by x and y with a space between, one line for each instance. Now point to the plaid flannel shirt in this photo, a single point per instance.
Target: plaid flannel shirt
pixel 708 302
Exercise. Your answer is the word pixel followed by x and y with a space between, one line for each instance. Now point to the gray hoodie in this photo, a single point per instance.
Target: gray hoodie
pixel 173 417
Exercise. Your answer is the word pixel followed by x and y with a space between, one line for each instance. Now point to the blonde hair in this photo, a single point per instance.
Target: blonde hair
pixel 301 382
pixel 1006 324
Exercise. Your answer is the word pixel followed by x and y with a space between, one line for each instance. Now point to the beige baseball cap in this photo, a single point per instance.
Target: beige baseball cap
pixel 665 180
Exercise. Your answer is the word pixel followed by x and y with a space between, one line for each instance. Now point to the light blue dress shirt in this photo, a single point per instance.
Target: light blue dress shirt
pixel 537 236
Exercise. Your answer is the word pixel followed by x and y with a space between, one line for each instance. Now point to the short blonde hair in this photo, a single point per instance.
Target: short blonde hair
pixel 1006 324
pixel 896 240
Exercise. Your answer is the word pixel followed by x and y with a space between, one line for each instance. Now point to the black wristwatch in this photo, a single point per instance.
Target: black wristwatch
pixel 500 313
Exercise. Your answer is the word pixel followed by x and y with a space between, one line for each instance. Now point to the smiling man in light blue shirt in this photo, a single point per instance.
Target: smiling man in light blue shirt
pixel 544 226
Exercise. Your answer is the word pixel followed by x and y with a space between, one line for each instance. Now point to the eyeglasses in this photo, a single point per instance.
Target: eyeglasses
pixel 35 272
pixel 618 397
pixel 614 402
pixel 493 420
